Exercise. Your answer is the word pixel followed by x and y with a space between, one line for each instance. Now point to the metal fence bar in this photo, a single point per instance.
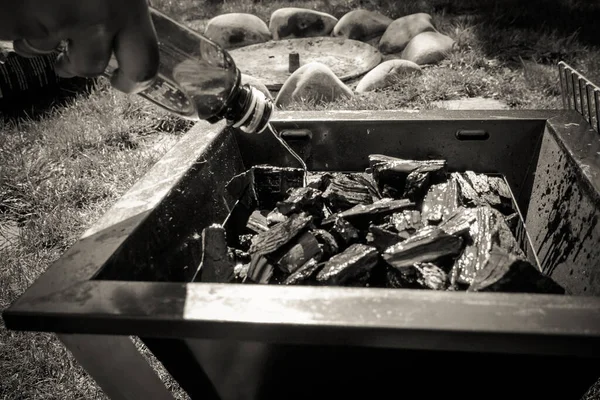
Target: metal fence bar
pixel 563 83
pixel 597 102
pixel 579 94
pixel 589 104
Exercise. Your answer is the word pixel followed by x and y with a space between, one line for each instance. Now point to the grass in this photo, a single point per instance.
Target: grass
pixel 60 172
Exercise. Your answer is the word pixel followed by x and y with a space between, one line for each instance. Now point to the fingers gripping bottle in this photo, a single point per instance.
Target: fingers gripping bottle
pixel 198 80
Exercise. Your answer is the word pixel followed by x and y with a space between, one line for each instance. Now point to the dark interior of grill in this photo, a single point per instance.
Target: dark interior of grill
pixel 545 183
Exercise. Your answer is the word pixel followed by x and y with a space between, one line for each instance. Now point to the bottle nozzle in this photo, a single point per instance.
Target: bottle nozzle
pixel 256 113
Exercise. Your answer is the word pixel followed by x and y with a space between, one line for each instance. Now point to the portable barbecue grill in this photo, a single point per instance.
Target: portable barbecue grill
pixel 128 274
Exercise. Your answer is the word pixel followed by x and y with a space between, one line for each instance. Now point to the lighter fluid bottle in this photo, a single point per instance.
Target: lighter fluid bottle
pixel 198 80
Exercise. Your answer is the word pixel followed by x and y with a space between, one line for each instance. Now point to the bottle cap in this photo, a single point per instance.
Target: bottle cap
pixel 256 114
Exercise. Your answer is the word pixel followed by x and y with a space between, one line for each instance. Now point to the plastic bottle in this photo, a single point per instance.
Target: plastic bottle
pixel 198 80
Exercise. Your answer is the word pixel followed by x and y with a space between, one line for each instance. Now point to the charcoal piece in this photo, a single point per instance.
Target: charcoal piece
pixel 391 192
pixel 407 222
pixel 305 273
pixel 298 252
pixel 474 256
pixel 245 241
pixel 275 217
pixel 302 199
pixel 467 194
pixel 362 215
pixel 504 237
pixel 440 202
pixel 480 189
pixel 370 183
pixel 327 242
pixel 238 256
pixel 257 222
pixel 393 172
pixel 431 276
pixel 345 191
pixel 402 278
pixel 240 272
pixel 280 234
pixel 460 222
pixel 260 270
pixel 427 245
pixel 271 183
pixel 505 272
pixel 344 232
pixel 416 184
pixel 361 280
pixel 481 184
pixel 489 229
pixel 356 261
pixel 319 180
pixel 216 265
pixel 382 238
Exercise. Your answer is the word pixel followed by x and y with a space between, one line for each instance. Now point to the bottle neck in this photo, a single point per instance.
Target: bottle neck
pixel 250 110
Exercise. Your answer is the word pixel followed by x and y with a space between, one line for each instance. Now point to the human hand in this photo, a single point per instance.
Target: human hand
pixel 93 30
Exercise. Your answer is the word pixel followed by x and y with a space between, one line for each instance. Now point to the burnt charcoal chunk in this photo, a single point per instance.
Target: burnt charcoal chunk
pixel 304 248
pixel 240 272
pixel 480 189
pixel 402 278
pixel 216 265
pixel 257 222
pixel 260 270
pixel 393 173
pixel 504 237
pixel 428 244
pixel 460 222
pixel 504 272
pixel 304 274
pixel 238 256
pixel 319 180
pixel 489 229
pixel 271 184
pixel 279 235
pixel 354 262
pixel 481 184
pixel 245 241
pixel 475 255
pixel 362 215
pixel 369 182
pixel 381 238
pixel 416 184
pixel 344 232
pixel 345 191
pixel 302 199
pixel 440 202
pixel 407 223
pixel 327 242
pixel 467 194
pixel 275 217
pixel 431 276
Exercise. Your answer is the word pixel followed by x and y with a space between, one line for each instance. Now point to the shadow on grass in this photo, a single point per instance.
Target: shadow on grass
pixel 509 26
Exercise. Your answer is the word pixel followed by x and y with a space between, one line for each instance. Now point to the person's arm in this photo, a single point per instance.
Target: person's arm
pixel 93 29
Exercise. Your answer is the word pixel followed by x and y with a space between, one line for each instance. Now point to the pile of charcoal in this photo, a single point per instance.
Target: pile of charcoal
pixel 400 224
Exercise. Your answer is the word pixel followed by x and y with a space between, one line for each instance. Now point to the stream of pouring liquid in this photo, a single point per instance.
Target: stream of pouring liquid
pixel 289 150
